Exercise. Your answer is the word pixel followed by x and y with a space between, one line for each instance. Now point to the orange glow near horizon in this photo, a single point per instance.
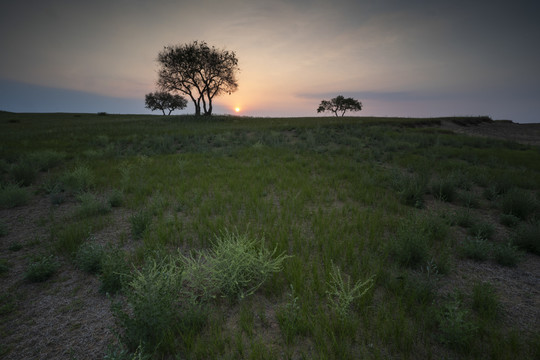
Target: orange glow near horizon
pixel 237 109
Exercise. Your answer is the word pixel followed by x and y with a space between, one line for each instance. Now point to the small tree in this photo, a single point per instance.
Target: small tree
pixel 340 104
pixel 161 100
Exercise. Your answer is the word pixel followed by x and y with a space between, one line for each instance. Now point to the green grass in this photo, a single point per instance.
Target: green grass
pixel 315 207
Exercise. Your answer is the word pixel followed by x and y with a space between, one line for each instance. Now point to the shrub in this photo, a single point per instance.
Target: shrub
pixel 527 237
pixel 89 257
pixel 341 294
pixel 506 254
pixel 114 271
pixel 518 203
pixel 41 269
pixel 477 248
pixel 235 267
pixel 485 301
pixel 455 328
pixel 12 196
pixel 140 221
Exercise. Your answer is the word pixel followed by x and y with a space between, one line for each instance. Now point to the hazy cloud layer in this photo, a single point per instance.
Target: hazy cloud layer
pixel 436 55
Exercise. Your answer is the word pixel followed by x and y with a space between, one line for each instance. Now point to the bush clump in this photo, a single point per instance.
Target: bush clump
pixel 235 267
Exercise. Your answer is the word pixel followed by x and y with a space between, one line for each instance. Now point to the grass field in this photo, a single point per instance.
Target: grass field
pixel 130 236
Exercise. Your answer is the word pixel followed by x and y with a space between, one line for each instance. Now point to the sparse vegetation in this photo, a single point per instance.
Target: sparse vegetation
pixel 341 248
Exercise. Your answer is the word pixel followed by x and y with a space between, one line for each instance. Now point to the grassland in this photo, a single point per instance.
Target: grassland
pixel 231 237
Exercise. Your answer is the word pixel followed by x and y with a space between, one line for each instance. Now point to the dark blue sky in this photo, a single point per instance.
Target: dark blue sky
pixel 400 58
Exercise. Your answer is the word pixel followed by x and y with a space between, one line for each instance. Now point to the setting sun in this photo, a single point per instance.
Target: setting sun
pixel 237 109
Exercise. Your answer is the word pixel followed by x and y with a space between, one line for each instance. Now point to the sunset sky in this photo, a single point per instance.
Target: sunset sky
pixel 399 58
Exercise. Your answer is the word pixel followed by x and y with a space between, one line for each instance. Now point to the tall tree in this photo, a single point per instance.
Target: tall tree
pixel 199 71
pixel 340 104
pixel 161 100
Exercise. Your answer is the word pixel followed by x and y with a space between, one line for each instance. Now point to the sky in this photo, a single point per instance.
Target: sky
pixel 399 58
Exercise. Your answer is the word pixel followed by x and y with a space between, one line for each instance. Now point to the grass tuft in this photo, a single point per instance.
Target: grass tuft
pixel 78 180
pixel 235 267
pixel 527 237
pixel 519 204
pixel 476 248
pixel 115 271
pixel 12 196
pixel 41 269
pixel 89 257
pixel 456 330
pixel 506 254
pixel 485 301
pixel 140 221
pixel 342 294
pixel 443 190
pixel 90 206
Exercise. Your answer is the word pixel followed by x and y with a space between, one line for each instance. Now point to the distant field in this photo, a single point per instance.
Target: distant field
pixel 136 236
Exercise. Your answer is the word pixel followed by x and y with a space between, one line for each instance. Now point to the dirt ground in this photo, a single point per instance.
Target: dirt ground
pixel 506 130
pixel 67 318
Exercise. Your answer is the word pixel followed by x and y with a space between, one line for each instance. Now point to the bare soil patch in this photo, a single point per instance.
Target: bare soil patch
pixel 505 130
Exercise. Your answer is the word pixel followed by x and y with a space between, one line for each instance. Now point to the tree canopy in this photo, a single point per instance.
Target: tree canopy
pixel 199 71
pixel 161 100
pixel 339 104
